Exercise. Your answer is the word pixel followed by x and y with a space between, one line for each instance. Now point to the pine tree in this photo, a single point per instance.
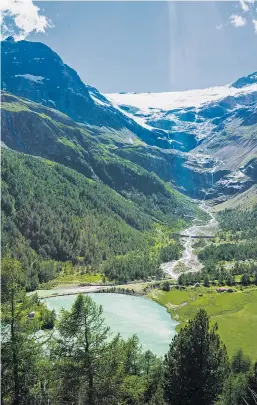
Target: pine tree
pixel 82 348
pixel 196 364
pixel 20 349
pixel 240 363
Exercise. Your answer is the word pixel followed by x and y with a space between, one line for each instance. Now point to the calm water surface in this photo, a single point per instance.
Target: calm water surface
pixel 127 315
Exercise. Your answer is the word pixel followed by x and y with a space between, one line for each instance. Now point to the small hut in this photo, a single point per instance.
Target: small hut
pixel 221 289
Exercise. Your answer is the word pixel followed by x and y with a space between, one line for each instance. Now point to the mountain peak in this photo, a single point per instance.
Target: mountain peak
pixel 9 39
pixel 245 81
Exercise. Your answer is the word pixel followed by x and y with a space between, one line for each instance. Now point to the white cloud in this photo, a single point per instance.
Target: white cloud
pixel 244 6
pixel 248 7
pixel 255 25
pixel 21 17
pixel 237 20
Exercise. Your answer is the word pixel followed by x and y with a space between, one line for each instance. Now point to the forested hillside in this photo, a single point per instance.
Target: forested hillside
pixel 52 214
pixel 237 237
pixel 234 252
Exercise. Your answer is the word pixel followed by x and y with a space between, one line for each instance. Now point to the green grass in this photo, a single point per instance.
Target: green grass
pixel 78 278
pixel 75 278
pixel 50 163
pixel 70 144
pixel 235 313
pixel 14 107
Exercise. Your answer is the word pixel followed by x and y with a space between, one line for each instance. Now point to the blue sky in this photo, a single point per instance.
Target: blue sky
pixel 152 46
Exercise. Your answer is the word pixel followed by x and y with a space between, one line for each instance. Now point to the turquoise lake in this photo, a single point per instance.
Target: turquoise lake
pixel 128 315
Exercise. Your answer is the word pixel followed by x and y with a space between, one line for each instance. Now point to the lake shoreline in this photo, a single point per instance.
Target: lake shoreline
pixel 129 315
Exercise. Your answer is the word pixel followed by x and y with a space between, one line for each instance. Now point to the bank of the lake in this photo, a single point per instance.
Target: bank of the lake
pixel 128 315
pixel 235 313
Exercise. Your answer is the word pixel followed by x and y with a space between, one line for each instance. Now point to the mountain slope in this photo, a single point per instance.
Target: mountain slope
pixel 99 212
pixel 37 130
pixel 202 142
pixel 52 215
pixel 189 117
pixel 216 129
pixel 32 70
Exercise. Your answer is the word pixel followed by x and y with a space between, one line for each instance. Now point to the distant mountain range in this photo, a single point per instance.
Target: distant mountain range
pixel 216 127
pixel 201 142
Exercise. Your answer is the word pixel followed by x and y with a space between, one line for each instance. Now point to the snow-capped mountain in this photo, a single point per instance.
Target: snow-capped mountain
pixel 34 71
pixel 203 142
pixel 189 117
pixel 215 128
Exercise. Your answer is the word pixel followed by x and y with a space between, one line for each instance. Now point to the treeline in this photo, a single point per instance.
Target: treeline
pixel 219 277
pixel 57 138
pixel 240 222
pixel 140 265
pixel 81 363
pixel 229 251
pixel 237 243
pixel 133 266
pixel 51 214
pixel 216 274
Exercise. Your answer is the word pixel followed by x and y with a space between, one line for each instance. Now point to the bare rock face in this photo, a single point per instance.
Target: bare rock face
pixel 32 70
pixel 213 133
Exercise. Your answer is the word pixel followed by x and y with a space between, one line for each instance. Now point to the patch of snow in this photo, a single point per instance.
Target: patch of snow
pixel 234 179
pixel 171 100
pixel 97 100
pixel 138 120
pixel 237 175
pixel 32 78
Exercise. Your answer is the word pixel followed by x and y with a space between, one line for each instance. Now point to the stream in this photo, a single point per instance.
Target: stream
pixel 189 261
pixel 126 314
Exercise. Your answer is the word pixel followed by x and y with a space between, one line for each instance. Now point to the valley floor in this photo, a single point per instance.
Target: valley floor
pixel 235 313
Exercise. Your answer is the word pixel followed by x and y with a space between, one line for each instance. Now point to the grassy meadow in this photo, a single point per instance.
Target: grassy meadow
pixel 235 313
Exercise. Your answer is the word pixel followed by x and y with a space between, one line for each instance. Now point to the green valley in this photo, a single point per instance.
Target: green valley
pixel 52 214
pixel 128 222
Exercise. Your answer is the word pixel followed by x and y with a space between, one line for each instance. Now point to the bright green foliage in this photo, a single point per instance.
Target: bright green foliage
pixel 170 252
pixel 196 364
pixel 135 265
pixel 235 390
pixel 21 349
pixel 238 237
pixel 93 368
pixel 229 251
pixel 51 215
pixel 238 221
pixel 241 386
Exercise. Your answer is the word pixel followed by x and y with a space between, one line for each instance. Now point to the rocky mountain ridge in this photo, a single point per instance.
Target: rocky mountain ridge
pixel 202 142
pixel 215 129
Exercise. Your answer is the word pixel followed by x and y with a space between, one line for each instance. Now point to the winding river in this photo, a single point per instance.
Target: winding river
pixel 189 261
pixel 128 315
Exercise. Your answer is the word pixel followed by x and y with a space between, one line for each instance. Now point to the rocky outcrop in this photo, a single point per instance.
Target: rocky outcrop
pixel 32 70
